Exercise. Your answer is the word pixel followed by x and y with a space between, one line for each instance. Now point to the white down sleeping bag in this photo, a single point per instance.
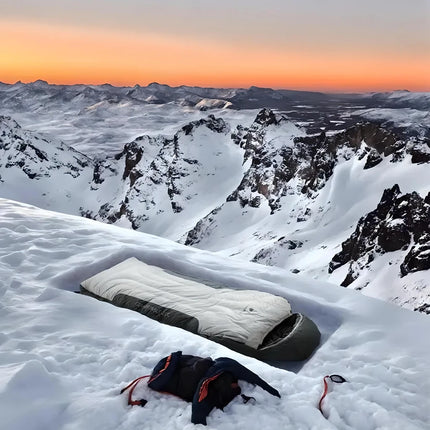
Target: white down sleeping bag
pixel 251 322
pixel 244 316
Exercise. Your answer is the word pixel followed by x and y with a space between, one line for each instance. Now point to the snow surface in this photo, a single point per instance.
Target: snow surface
pixel 64 356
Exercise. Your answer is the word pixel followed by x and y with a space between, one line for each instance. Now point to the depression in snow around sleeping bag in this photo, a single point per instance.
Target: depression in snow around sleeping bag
pixel 252 322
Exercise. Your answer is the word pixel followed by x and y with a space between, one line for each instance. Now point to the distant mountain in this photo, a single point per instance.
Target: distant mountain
pixel 100 119
pixel 12 95
pixel 399 99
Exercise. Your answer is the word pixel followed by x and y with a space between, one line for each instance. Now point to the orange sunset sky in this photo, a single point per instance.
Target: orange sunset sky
pixel 330 45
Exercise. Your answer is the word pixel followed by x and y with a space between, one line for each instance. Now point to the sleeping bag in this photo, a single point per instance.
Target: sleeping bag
pixel 249 321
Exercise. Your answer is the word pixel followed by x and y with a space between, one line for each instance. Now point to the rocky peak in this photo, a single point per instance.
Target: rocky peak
pixel 388 198
pixel 400 222
pixel 420 150
pixel 217 125
pixel 132 154
pixel 39 84
pixel 375 136
pixel 157 86
pixel 36 156
pixel 266 117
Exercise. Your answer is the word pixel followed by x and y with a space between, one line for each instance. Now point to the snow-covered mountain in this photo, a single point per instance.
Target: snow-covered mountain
pixel 41 171
pixel 101 119
pixel 64 357
pixel 335 194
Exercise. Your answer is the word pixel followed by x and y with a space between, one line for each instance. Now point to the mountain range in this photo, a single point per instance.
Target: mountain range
pixel 335 187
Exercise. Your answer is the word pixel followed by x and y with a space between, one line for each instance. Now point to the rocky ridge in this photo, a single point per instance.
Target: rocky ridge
pixel 35 155
pixel 400 222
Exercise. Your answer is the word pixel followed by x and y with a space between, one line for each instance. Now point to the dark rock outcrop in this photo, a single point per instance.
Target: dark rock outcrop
pixel 418 258
pixel 217 125
pixel 309 159
pixel 132 154
pixel 425 308
pixel 266 117
pixel 399 222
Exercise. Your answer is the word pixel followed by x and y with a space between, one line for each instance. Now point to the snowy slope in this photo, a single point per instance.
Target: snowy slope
pixel 180 178
pixel 64 356
pixel 34 169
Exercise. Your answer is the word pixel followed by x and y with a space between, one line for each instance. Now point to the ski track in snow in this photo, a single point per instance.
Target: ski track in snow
pixel 64 356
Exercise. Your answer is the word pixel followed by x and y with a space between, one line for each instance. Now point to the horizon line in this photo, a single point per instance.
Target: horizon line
pixel 332 91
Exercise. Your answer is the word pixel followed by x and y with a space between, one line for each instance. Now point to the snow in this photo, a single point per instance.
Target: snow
pixel 64 356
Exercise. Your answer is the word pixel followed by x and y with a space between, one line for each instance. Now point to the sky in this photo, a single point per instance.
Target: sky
pixel 335 45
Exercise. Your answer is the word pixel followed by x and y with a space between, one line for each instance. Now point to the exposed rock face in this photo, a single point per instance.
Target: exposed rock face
pixel 366 139
pixel 272 164
pixel 217 125
pixel 399 222
pixel 36 156
pixel 418 258
pixel 425 308
pixel 266 117
pixel 132 154
pixel 308 159
pixel 195 235
pixel 420 151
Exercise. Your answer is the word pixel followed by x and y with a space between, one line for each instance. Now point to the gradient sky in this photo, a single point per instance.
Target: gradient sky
pixel 337 45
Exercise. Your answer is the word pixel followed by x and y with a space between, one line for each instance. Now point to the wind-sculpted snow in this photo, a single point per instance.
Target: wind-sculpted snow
pixel 65 356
